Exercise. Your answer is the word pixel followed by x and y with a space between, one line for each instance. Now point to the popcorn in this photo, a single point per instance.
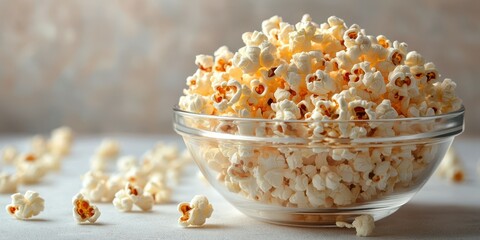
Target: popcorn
pixel 108 149
pixel 131 195
pixel 83 210
pixel 320 83
pixel 364 225
pixel 196 212
pixel 451 167
pixel 159 191
pixel 30 168
pixel 25 206
pixel 94 186
pixel 336 80
pixel 204 62
pixel 9 154
pixel 60 141
pixel 8 183
pixel 286 110
pixel 247 59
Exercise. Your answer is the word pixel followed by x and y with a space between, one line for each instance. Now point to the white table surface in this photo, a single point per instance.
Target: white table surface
pixel 441 210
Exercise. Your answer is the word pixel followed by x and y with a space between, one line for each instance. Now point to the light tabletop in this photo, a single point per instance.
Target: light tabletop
pixel 441 210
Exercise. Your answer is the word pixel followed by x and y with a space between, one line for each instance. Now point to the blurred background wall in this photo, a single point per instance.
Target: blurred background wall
pixel 120 66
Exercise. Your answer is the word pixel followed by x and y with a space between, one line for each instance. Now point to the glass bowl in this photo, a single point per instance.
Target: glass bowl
pixel 315 173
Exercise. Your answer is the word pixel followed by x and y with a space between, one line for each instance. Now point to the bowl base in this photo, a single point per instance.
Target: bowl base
pixel 317 218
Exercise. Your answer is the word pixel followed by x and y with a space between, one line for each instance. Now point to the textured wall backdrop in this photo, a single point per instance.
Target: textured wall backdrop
pixel 119 66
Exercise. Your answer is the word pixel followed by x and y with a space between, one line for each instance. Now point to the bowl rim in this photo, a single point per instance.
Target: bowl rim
pixel 460 111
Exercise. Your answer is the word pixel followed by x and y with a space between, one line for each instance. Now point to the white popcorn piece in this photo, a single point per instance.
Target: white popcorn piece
pixel 122 201
pixel 94 186
pixel 320 83
pixel 60 141
pixel 9 153
pixel 247 59
pixel 253 38
pixel 364 225
pixel 108 149
pixel 83 210
pixel 196 103
pixel 160 192
pixel 25 206
pixel 204 62
pixel 8 183
pixel 30 168
pixel 130 195
pixel 222 59
pixel 286 110
pixel 451 167
pixel 195 212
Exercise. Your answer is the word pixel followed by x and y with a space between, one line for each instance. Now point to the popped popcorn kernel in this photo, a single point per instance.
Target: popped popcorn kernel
pixel 83 210
pixel 108 149
pixel 25 206
pixel 195 212
pixel 60 141
pixel 8 183
pixel 132 195
pixel 364 225
pixel 8 154
pixel 451 167
pixel 30 168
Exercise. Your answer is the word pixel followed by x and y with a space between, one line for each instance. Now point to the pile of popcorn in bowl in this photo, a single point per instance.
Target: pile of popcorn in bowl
pixel 317 124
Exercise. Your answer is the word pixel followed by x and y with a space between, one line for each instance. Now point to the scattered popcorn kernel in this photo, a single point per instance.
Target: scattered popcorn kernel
pixel 30 168
pixel 131 195
pixel 8 183
pixel 60 141
pixel 108 149
pixel 25 206
pixel 451 167
pixel 94 186
pixel 9 154
pixel 364 225
pixel 83 210
pixel 160 192
pixel 196 212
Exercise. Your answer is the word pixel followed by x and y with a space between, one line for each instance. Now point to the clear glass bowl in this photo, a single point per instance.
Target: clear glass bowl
pixel 307 173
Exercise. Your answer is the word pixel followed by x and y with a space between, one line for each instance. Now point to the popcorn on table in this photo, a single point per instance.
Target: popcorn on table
pixel 131 195
pixel 451 167
pixel 159 190
pixel 8 183
pixel 364 225
pixel 25 206
pixel 108 149
pixel 309 71
pixel 60 142
pixel 83 210
pixel 195 212
pixel 9 153
pixel 100 187
pixel 31 168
